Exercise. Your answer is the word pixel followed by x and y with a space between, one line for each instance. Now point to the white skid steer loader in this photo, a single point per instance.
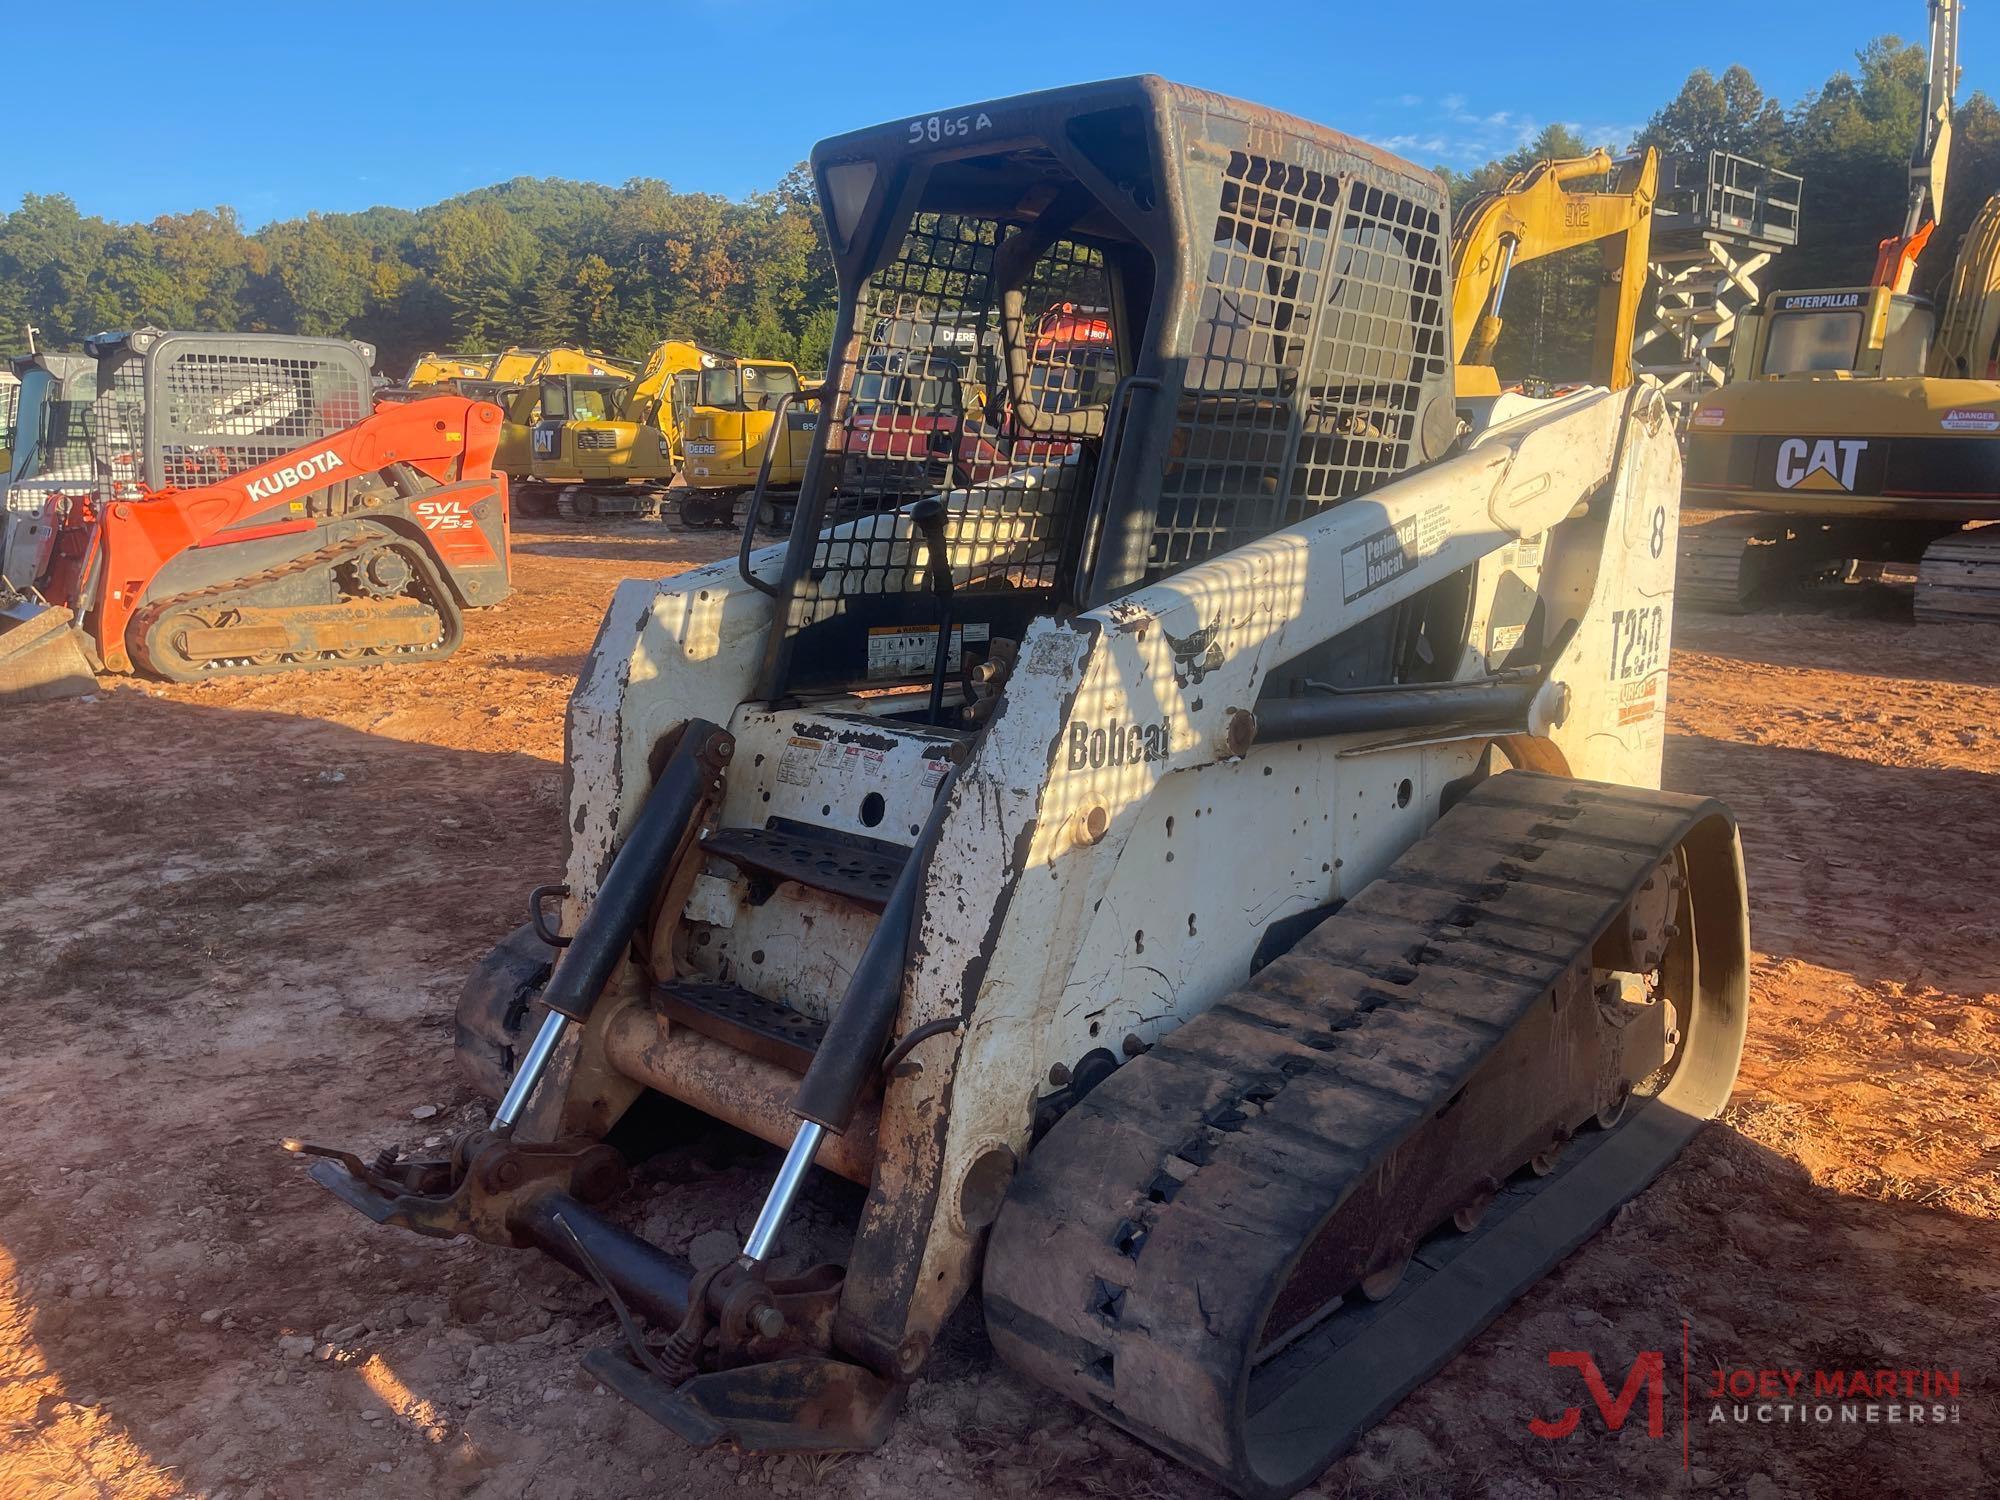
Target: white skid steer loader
pixel 1199 865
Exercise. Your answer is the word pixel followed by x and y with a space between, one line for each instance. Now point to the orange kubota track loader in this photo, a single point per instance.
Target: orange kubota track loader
pixel 250 514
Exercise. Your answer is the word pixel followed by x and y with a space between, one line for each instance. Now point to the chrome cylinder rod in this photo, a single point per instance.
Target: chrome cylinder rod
pixel 530 1072
pixel 778 1203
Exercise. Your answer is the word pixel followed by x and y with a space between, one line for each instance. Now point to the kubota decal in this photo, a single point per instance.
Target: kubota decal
pixel 444 515
pixel 273 485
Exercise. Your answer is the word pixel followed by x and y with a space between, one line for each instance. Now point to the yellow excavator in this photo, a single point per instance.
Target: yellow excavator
pixel 609 446
pixel 431 368
pixel 736 417
pixel 1544 211
pixel 514 384
pixel 1859 431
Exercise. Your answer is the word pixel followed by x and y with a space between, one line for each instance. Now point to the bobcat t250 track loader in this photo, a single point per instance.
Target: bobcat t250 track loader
pixel 1206 880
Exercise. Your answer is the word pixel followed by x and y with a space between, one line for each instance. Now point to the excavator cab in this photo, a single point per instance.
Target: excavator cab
pixel 1844 333
pixel 741 409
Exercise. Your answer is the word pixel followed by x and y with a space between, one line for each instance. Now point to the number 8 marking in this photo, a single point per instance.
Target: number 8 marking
pixel 1659 529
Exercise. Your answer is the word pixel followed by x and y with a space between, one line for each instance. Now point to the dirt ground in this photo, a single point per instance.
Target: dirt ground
pixel 239 912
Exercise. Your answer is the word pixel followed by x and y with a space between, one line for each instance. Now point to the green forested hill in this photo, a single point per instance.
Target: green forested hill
pixel 539 261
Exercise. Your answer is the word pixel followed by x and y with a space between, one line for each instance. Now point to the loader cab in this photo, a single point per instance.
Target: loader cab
pixel 10 412
pixel 1843 333
pixel 179 410
pixel 1199 322
pixel 51 432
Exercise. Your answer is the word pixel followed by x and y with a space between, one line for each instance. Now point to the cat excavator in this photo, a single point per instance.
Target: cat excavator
pixel 1858 434
pixel 1200 871
pixel 514 384
pixel 611 446
pixel 431 368
pixel 231 505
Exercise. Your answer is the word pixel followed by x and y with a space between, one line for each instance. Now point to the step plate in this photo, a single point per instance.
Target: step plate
pixel 861 874
pixel 1182 1252
pixel 749 1023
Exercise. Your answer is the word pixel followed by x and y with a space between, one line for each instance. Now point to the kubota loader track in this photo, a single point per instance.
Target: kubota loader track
pixel 1249 1243
pixel 393 607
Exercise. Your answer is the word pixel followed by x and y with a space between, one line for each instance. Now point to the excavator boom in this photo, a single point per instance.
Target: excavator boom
pixel 1896 258
pixel 1543 211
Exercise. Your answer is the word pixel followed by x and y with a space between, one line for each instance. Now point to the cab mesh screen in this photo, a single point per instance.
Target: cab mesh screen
pixel 919 412
pixel 1321 315
pixel 221 413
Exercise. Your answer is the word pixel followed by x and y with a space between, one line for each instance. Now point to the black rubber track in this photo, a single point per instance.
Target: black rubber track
pixel 1143 1262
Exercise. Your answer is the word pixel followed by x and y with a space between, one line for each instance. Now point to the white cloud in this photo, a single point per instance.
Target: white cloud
pixel 1451 131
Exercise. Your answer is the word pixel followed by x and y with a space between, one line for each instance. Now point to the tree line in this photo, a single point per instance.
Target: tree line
pixel 538 261
pixel 551 261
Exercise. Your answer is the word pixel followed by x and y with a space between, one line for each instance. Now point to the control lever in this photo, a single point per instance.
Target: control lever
pixel 928 517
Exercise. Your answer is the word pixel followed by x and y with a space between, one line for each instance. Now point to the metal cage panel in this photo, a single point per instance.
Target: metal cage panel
pixel 1322 320
pixel 182 411
pixel 918 411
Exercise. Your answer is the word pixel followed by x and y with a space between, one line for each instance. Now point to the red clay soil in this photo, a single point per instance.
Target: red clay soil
pixel 242 911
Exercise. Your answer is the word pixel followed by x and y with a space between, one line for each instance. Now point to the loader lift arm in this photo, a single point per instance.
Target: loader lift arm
pixel 1541 212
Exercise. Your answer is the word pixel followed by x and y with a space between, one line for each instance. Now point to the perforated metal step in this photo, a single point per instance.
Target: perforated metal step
pixel 863 873
pixel 749 1023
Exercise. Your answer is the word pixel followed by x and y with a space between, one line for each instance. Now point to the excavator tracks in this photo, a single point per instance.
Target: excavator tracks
pixel 1717 573
pixel 1248 1244
pixel 1958 581
pixel 392 607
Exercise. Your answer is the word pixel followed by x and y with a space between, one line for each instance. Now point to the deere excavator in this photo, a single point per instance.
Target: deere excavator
pixel 1205 879
pixel 608 446
pixel 236 508
pixel 1859 431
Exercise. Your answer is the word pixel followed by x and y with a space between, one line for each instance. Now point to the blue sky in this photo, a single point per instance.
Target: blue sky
pixel 141 107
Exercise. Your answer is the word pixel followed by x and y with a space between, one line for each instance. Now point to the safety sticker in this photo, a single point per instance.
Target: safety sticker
pixel 899 651
pixel 795 766
pixel 1970 419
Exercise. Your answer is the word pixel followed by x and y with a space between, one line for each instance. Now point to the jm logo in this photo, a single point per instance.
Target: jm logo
pixel 1648 1374
pixel 1823 464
